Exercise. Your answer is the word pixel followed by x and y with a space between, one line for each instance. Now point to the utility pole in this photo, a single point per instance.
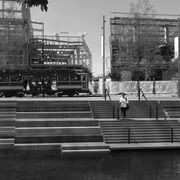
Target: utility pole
pixel 43 79
pixel 139 58
pixel 178 57
pixel 104 90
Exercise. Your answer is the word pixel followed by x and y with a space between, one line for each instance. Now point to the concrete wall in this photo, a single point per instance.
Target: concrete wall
pixel 161 87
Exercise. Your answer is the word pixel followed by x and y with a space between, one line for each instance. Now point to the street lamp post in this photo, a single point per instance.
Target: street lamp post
pixel 104 90
pixel 178 57
pixel 43 79
pixel 138 59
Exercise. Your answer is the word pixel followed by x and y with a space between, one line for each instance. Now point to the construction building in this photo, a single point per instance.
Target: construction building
pixel 25 51
pixel 142 46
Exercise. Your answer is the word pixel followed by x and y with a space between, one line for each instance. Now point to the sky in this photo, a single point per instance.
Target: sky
pixel 86 16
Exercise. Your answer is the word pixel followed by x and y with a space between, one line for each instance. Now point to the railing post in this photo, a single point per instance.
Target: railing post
pixel 172 134
pixel 150 111
pixel 118 113
pixel 129 135
pixel 157 112
pixel 113 111
pixel 105 94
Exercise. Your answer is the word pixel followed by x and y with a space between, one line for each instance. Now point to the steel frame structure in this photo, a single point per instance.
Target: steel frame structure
pixel 24 45
pixel 29 56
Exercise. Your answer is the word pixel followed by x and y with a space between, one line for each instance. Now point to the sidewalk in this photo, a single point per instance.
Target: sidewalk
pixel 94 97
pixel 144 146
pixel 148 96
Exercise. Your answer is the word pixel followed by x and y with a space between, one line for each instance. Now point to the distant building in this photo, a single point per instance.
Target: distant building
pixel 142 47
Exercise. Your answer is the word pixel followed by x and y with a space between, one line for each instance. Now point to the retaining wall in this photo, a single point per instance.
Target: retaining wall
pixel 161 87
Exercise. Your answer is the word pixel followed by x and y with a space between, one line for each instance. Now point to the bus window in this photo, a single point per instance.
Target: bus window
pixel 65 78
pixel 4 78
pixel 83 78
pixel 59 78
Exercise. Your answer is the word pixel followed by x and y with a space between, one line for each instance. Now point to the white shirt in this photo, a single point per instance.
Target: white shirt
pixel 123 102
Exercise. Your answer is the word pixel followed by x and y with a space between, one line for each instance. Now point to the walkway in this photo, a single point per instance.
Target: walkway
pixel 145 146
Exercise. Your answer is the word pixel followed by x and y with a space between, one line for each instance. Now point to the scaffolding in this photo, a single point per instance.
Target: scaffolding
pixel 60 51
pixel 29 57
pixel 14 34
pixel 132 38
pixel 23 44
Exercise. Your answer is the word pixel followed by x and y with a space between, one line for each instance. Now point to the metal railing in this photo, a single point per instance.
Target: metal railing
pixel 151 110
pixel 107 94
pixel 157 116
pixel 118 112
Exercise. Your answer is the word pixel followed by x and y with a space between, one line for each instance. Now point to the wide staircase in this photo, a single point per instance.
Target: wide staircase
pixel 109 109
pixel 82 126
pixel 171 108
pixel 116 132
pixel 145 123
pixel 140 131
pixel 66 126
pixel 175 126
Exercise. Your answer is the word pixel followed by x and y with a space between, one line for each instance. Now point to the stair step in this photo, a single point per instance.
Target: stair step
pixel 37 146
pixel 86 151
pixel 58 139
pixel 7 143
pixel 53 115
pixel 37 131
pixel 84 147
pixel 56 122
pixel 125 141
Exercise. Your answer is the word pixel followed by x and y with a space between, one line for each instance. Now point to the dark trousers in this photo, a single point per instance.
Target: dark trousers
pixel 123 111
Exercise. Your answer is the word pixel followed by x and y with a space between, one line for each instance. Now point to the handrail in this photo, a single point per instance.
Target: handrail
pixel 108 95
pixel 148 104
pixel 171 129
pixel 143 94
pixel 164 115
pixel 92 86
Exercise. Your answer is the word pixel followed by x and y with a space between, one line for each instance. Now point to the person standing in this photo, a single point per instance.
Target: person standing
pixel 123 102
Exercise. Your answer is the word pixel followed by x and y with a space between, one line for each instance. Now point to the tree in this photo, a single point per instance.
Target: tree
pixel 142 8
pixel 148 38
pixel 42 3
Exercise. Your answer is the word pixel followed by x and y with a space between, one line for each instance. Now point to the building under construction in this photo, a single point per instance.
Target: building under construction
pixel 142 46
pixel 34 63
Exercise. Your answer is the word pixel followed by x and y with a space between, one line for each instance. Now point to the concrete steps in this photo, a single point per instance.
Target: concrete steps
pixel 69 114
pixel 47 125
pixel 175 124
pixel 88 147
pixel 56 131
pixel 37 146
pixel 138 109
pixel 51 109
pixel 7 124
pixel 171 108
pixel 53 106
pixel 48 133
pixel 151 131
pixel 115 131
pixel 55 122
pixel 101 109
